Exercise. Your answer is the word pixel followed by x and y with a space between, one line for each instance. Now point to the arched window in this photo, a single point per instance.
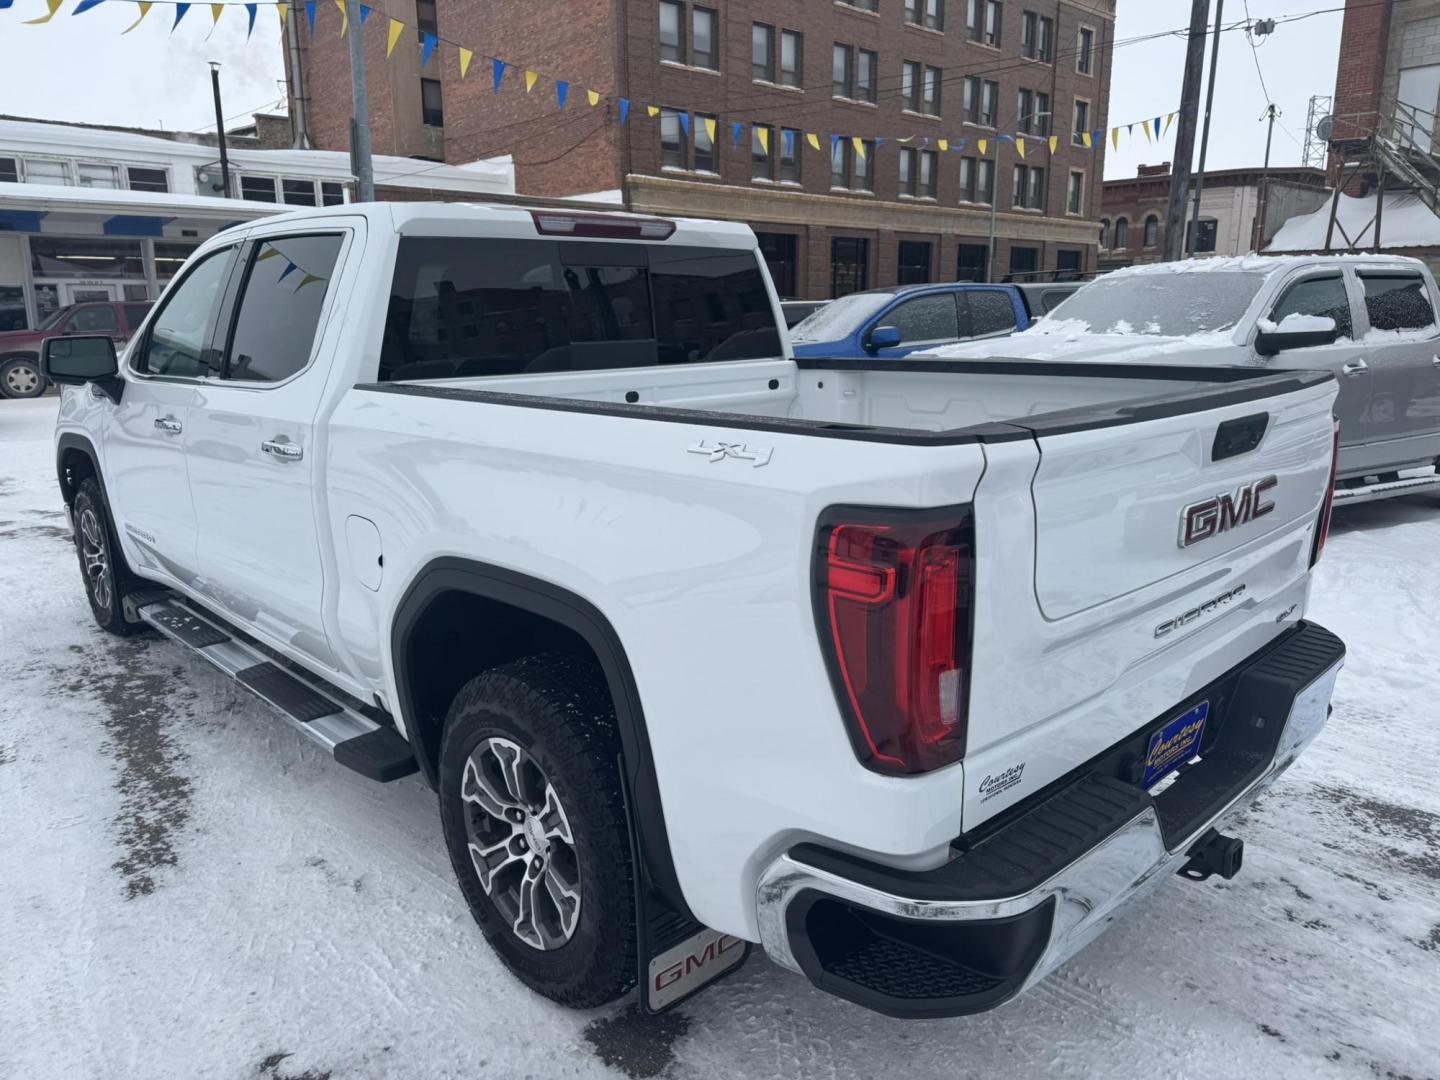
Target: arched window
pixel 1104 233
pixel 1122 234
pixel 1152 231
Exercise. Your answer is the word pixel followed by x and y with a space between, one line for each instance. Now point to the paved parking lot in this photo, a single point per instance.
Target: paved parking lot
pixel 189 890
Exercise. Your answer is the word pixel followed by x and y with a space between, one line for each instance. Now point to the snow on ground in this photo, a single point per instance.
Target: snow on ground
pixel 189 890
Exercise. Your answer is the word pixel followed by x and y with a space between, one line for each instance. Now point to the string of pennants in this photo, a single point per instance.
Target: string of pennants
pixel 1154 128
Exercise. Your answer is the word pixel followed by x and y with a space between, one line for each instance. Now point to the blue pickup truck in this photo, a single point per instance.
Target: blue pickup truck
pixel 894 321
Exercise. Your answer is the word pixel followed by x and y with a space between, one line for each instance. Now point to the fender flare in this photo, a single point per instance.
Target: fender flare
pixel 72 441
pixel 549 601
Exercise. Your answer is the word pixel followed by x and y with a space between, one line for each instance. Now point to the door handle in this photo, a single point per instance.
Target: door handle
pixel 283 449
pixel 168 424
pixel 1355 367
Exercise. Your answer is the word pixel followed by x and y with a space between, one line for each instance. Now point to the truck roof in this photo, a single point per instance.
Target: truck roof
pixel 491 219
pixel 1261 264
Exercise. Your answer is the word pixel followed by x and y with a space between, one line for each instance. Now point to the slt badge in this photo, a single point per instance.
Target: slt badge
pixel 721 450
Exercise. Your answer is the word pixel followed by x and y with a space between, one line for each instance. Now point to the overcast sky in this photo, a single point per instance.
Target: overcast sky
pixel 80 68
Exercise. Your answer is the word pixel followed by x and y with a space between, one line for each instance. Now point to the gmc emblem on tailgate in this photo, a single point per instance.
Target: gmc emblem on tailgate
pixel 1210 517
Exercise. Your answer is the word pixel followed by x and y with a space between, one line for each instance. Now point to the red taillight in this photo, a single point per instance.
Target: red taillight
pixel 893 596
pixel 601 226
pixel 1323 532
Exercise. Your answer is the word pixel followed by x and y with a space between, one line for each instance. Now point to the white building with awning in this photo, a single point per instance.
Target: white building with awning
pixel 90 213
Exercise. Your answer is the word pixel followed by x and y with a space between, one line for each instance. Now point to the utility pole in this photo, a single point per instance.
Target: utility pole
pixel 1185 133
pixel 360 132
pixel 994 199
pixel 220 126
pixel 1262 194
pixel 1194 236
pixel 300 131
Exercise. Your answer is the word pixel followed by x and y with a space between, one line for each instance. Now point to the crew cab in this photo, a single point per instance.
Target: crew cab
pixel 20 349
pixel 1369 319
pixel 897 321
pixel 915 673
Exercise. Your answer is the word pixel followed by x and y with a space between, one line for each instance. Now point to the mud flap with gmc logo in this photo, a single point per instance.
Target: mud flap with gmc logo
pixel 696 962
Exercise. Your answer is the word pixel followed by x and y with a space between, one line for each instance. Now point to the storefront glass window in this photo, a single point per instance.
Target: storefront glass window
pixel 97 257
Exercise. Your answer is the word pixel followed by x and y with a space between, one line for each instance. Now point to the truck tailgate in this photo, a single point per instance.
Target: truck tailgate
pixel 1144 559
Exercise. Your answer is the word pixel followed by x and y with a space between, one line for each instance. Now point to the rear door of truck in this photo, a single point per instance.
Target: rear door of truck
pixel 1125 559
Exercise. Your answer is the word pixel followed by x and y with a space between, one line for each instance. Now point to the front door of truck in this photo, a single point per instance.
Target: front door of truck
pixel 252 444
pixel 145 463
pixel 1403 352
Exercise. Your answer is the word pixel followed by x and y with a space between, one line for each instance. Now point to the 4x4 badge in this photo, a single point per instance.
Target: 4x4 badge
pixel 721 450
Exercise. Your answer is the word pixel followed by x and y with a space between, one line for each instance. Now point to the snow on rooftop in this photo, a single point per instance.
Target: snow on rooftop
pixel 1406 222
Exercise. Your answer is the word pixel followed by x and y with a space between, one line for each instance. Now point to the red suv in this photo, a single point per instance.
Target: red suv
pixel 20 349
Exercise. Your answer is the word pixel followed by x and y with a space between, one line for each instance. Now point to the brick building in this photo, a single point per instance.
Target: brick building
pixel 829 219
pixel 1132 211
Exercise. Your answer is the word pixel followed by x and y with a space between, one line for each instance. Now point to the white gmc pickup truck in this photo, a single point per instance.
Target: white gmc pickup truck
pixel 916 673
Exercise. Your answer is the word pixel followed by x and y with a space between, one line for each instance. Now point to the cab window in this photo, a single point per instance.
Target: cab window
pixel 279 310
pixel 99 319
pixel 177 343
pixel 1397 301
pixel 925 318
pixel 991 312
pixel 1324 296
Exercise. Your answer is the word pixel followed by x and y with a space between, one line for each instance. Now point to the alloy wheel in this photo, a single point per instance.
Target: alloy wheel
pixel 95 556
pixel 521 844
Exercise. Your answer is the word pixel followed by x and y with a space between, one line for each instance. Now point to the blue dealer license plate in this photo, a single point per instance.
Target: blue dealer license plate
pixel 1174 744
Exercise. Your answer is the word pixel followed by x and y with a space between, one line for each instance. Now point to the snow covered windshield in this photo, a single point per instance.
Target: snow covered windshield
pixel 1170 305
pixel 839 317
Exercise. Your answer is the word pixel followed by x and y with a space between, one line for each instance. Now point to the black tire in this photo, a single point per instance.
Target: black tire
pixel 20 377
pixel 102 565
pixel 557 709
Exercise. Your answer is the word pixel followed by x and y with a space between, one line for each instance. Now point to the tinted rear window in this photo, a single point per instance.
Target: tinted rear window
pixel 467 307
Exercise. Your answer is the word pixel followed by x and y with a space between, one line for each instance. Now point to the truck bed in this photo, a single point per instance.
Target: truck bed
pixel 920 402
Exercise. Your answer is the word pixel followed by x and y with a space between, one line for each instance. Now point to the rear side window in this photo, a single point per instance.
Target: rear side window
pixel 279 309
pixel 176 343
pixel 1397 301
pixel 469 307
pixel 1317 296
pixel 925 318
pixel 991 312
pixel 99 319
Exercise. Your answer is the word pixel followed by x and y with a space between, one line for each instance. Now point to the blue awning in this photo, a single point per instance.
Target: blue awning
pixel 135 225
pixel 20 220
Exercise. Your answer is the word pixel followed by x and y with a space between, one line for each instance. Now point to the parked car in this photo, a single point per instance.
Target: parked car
pixel 898 320
pixel 20 349
pixel 795 310
pixel 895 667
pixel 1371 320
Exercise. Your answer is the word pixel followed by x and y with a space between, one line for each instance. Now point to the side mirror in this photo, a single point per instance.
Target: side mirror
pixel 1296 332
pixel 88 358
pixel 885 337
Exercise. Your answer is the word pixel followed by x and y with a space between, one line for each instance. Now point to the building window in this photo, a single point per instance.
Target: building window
pixel 863 5
pixel 1152 231
pixel 1080 123
pixel 10 174
pixel 917 173
pixel 1023 262
pixel 849 265
pixel 426 21
pixel 762 152
pixel 1085 50
pixel 779 252
pixel 851 171
pixel 854 73
pixel 1067 264
pixel 762 53
pixel 1037 36
pixel 790 155
pixel 672 32
pixel 1122 235
pixel 432 106
pixel 705 157
pixel 298 192
pixel 143 179
pixel 672 141
pixel 970 262
pixel 706 52
pixel 1029 188
pixel 913 262
pixel 43 171
pixel 1075 194
pixel 1042 113
pixel 92 175
pixel 332 193
pixel 927 13
pixel 1025 111
pixel 12 297
pixel 792 58
pixel 1104 233
pixel 258 188
pixel 1203 233
pixel 977 180
pixel 980 100
pixel 982 21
